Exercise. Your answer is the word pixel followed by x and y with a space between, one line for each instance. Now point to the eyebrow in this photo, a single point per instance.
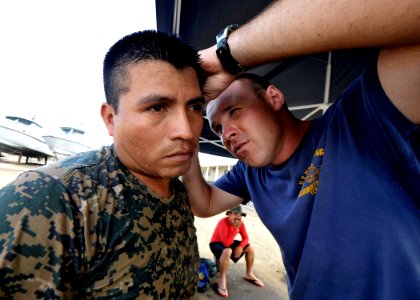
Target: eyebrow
pixel 199 99
pixel 224 110
pixel 154 98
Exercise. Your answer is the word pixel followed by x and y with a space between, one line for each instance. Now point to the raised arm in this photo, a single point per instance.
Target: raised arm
pixel 399 74
pixel 206 200
pixel 298 27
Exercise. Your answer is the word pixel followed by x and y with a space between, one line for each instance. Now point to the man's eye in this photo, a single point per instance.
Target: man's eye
pixel 232 111
pixel 197 107
pixel 157 107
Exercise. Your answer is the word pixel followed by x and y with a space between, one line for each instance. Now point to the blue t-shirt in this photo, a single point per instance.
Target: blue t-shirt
pixel 343 207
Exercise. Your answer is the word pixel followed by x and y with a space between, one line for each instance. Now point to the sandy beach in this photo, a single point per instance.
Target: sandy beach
pixel 268 263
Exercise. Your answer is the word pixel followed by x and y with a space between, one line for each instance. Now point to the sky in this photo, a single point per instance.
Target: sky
pixel 51 55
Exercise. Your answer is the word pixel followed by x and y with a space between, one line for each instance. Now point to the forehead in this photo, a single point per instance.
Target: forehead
pixel 234 94
pixel 156 70
pixel 159 76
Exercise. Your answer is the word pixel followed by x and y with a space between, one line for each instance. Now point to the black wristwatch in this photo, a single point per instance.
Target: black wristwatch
pixel 223 51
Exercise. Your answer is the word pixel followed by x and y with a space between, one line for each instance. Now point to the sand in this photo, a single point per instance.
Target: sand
pixel 268 263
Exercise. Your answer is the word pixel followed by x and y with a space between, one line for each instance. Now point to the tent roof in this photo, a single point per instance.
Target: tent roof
pixel 310 83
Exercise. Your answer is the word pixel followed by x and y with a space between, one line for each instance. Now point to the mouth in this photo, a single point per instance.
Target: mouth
pixel 237 148
pixel 181 156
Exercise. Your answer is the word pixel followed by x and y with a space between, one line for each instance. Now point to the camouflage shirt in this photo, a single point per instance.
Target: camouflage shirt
pixel 86 228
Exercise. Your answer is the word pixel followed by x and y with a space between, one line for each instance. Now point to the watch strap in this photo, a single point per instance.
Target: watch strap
pixel 223 51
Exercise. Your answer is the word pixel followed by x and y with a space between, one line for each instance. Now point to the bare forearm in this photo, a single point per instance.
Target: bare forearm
pixel 198 190
pixel 298 27
pixel 206 200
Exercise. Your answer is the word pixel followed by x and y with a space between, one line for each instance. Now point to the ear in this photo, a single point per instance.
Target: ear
pixel 275 97
pixel 108 114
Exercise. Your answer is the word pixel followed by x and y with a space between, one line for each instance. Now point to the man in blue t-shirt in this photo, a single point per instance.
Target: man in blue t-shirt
pixel 339 194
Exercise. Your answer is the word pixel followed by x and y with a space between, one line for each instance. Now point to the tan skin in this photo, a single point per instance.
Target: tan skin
pixel 158 123
pixel 258 131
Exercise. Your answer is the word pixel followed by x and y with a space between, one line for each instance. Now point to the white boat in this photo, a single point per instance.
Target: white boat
pixel 22 136
pixel 67 141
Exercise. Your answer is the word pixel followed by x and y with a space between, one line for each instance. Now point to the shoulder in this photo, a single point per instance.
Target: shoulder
pixel 90 169
pixel 398 72
pixel 69 175
pixel 223 222
pixel 389 83
pixel 80 163
pixel 29 185
pixel 238 173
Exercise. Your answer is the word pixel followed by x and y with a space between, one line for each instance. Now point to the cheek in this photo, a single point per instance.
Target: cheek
pixel 131 132
pixel 197 125
pixel 225 143
pixel 262 123
pixel 122 130
pixel 141 143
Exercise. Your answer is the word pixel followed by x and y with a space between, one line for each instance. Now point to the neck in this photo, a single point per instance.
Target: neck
pixel 159 186
pixel 294 131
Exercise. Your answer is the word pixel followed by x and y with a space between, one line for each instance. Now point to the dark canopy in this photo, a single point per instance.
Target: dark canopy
pixel 310 83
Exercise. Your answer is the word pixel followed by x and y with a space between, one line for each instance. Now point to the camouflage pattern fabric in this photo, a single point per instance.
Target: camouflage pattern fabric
pixel 86 228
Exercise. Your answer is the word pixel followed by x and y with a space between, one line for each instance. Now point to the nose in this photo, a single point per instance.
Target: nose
pixel 183 126
pixel 228 132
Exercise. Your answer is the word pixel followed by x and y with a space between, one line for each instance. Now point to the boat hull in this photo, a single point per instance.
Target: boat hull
pixel 20 143
pixel 65 147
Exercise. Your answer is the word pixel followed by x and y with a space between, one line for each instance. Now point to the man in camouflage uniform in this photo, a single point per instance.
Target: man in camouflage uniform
pixel 115 223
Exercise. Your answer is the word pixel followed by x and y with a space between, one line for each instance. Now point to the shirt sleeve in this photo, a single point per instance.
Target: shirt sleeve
pixel 234 182
pixel 36 238
pixel 244 235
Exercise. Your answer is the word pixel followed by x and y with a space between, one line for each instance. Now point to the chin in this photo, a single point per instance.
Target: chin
pixel 254 163
pixel 178 171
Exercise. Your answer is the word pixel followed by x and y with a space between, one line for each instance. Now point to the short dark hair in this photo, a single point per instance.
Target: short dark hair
pixel 145 45
pixel 258 83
